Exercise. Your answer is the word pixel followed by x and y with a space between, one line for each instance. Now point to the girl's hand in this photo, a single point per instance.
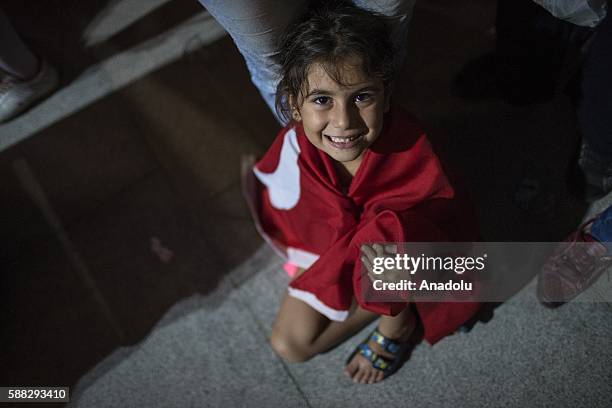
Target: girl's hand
pixel 370 252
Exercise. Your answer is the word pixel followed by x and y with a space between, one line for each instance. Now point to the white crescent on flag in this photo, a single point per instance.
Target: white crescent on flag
pixel 284 183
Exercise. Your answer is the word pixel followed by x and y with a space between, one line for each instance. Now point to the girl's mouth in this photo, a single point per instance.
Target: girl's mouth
pixel 344 142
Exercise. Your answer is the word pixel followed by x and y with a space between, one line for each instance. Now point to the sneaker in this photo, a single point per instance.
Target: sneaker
pixel 16 96
pixel 574 266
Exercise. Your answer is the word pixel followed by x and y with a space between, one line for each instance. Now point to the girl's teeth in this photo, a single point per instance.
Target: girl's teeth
pixel 343 139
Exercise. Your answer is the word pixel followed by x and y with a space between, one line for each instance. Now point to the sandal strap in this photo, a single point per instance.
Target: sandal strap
pixel 386 343
pixel 379 362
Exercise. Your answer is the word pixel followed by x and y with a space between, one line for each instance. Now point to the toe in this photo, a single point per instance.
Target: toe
pixel 372 377
pixel 360 377
pixel 357 376
pixel 379 376
pixel 364 377
pixel 351 368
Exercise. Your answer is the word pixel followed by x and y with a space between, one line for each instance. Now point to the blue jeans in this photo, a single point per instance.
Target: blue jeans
pixel 255 25
pixel 601 229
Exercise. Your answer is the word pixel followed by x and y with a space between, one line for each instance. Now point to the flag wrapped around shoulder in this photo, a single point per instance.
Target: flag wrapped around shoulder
pixel 400 193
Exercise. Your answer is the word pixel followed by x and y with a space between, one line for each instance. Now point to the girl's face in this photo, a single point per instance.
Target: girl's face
pixel 342 120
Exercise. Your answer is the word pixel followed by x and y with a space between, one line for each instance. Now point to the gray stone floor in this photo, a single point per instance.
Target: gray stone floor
pixel 141 146
pixel 211 351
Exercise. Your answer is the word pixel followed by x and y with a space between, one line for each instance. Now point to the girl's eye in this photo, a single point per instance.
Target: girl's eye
pixel 362 97
pixel 322 100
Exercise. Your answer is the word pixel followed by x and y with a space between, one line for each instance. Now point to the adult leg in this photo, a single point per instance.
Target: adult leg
pixel 594 112
pixel 532 48
pixel 255 26
pixel 399 13
pixel 601 229
pixel 15 57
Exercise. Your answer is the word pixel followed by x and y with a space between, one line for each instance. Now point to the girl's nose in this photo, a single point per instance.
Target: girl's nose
pixel 343 115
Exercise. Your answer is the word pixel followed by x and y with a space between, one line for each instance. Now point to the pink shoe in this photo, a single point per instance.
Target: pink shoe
pixel 574 266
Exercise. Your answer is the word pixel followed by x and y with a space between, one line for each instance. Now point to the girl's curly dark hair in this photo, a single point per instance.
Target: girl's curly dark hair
pixel 329 33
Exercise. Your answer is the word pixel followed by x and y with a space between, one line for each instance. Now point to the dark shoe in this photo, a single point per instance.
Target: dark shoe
pixel 574 266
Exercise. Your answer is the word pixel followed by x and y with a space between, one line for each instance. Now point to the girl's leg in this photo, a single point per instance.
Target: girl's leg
pixel 300 332
pixel 15 58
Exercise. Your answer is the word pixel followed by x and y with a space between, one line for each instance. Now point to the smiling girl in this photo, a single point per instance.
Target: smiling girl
pixel 348 170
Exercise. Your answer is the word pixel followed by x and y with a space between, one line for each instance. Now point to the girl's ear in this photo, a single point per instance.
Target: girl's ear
pixel 295 112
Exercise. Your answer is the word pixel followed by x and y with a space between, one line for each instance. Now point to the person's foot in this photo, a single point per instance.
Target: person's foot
pixel 380 356
pixel 574 266
pixel 18 95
